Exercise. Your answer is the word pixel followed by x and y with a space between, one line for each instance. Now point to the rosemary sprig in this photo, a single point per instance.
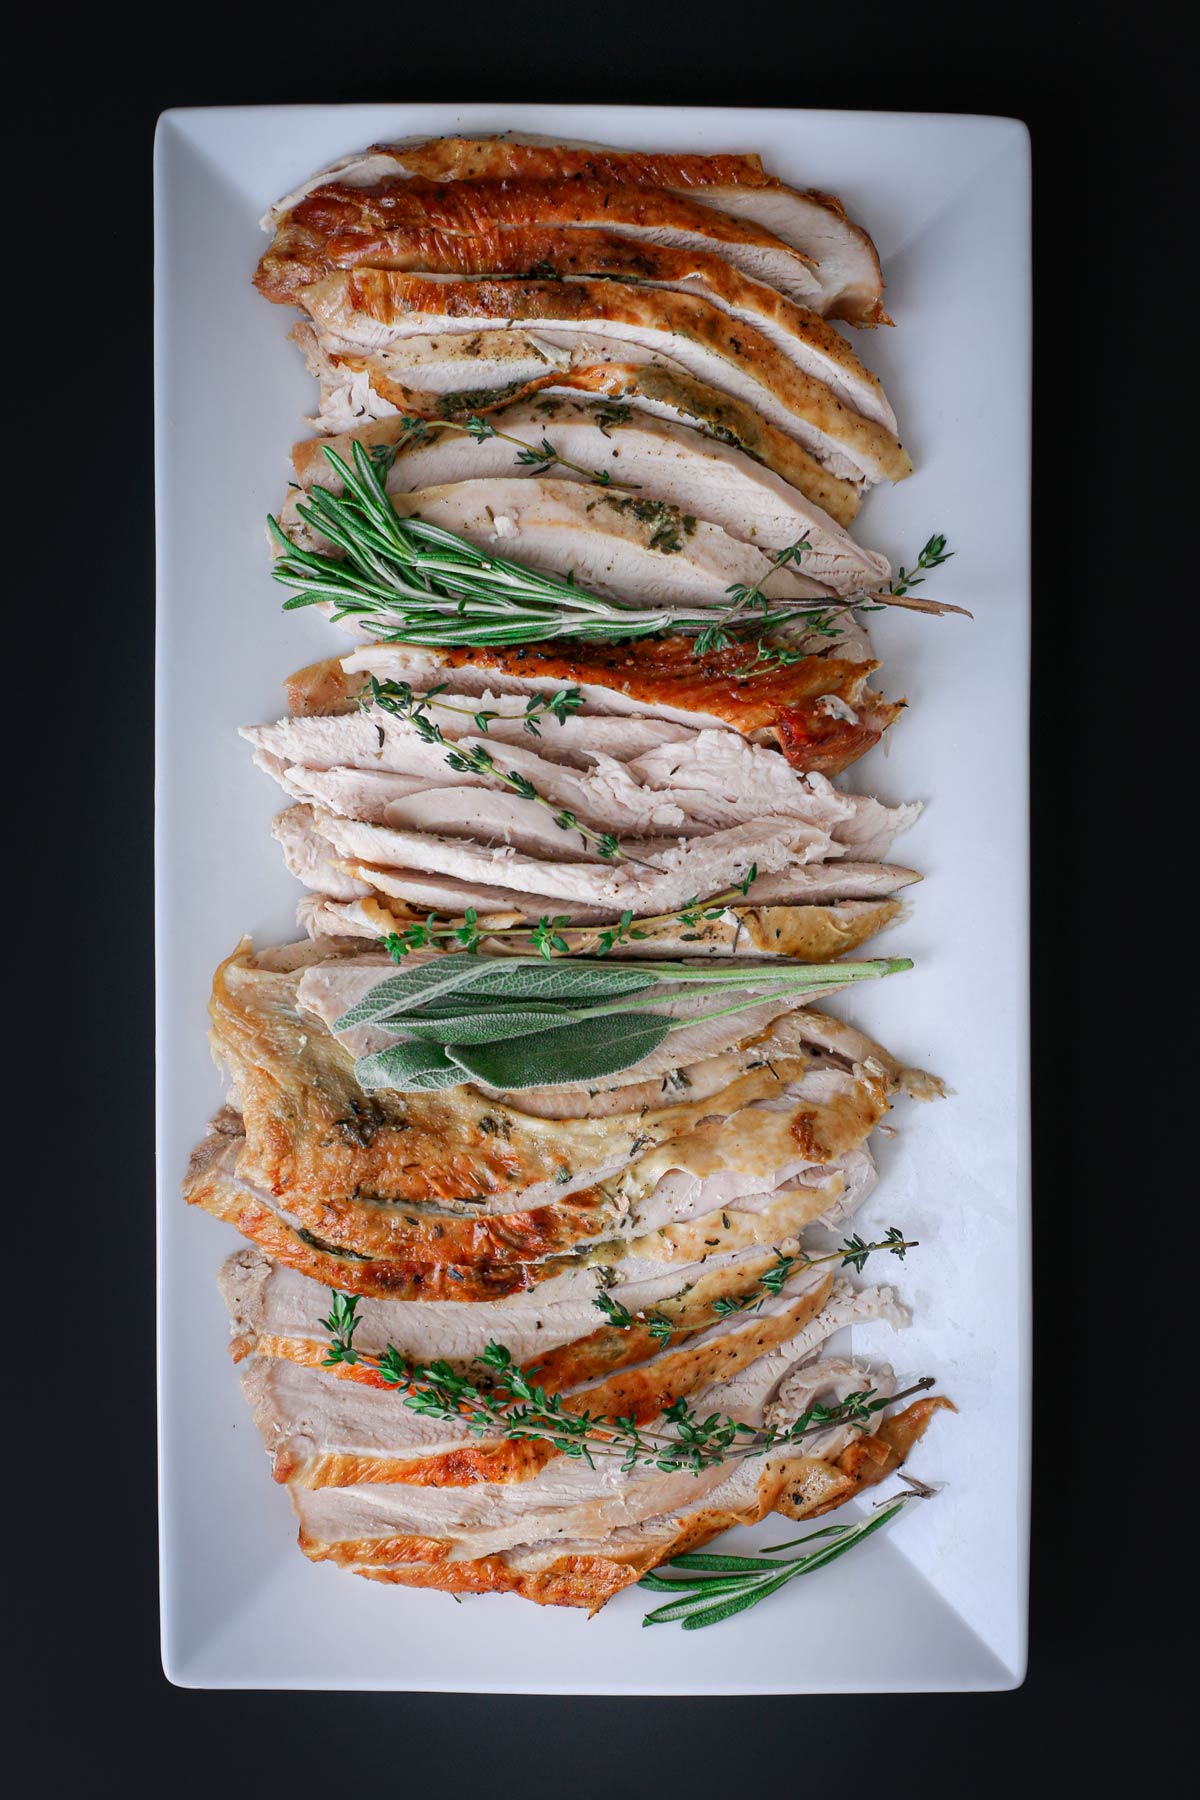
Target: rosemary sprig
pixel 541 458
pixel 412 582
pixel 546 936
pixel 503 1401
pixel 852 1253
pixel 714 1587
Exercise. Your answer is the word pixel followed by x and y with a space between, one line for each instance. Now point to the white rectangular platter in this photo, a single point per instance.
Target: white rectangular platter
pixel 939 1602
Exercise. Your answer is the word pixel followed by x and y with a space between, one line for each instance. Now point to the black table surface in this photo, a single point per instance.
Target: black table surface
pixel 1102 89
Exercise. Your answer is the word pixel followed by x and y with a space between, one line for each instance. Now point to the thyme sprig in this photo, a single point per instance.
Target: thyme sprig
pixel 781 655
pixel 399 698
pixel 503 1400
pixel 932 556
pixel 852 1254
pixel 657 1323
pixel 479 761
pixel 714 1587
pixel 540 458
pixel 409 581
pixel 743 599
pixel 546 936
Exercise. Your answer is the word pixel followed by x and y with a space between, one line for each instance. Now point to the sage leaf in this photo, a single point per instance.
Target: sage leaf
pixel 501 977
pixel 424 982
pixel 487 1026
pixel 577 1052
pixel 408 1067
pixel 572 978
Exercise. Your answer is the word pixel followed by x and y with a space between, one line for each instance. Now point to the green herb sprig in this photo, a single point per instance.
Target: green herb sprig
pixel 503 1401
pixel 520 1021
pixel 852 1254
pixel 546 936
pixel 932 556
pixel 743 598
pixel 479 761
pixel 399 698
pixel 540 458
pixel 781 655
pixel 412 582
pixel 656 1322
pixel 714 1587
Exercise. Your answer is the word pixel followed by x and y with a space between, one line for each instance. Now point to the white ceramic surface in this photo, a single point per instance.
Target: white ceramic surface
pixel 938 1602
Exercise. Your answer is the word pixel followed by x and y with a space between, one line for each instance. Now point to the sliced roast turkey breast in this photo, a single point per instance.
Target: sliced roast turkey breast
pixel 309 857
pixel 447 377
pixel 313 860
pixel 411 1497
pixel 846 283
pixel 322 1436
pixel 819 709
pixel 802 334
pixel 214 1185
pixel 584 733
pixel 698 866
pixel 357 214
pixel 294 1080
pixel 328 874
pixel 324 1429
pixel 652 458
pixel 647 553
pixel 372 765
pixel 587 1571
pixel 372 312
pixel 621 387
pixel 276 1311
pixel 810 933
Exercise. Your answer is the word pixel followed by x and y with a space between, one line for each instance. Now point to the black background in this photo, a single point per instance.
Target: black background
pixel 1102 91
